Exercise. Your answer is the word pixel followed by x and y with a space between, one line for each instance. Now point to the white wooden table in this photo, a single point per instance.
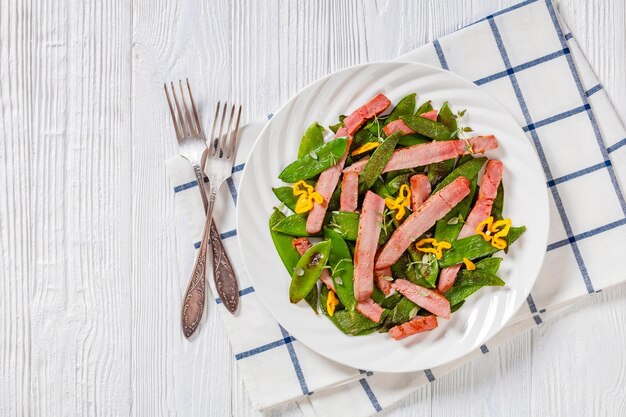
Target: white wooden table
pixel 89 300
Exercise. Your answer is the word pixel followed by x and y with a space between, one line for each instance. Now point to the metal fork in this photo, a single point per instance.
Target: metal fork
pixel 193 147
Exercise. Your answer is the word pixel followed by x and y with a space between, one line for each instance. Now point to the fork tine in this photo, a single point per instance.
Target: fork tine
pixel 226 145
pixel 169 103
pixel 180 114
pixel 211 143
pixel 190 123
pixel 220 141
pixel 195 111
pixel 233 145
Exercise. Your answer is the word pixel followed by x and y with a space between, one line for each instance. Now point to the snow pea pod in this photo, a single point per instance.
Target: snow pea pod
pixel 377 162
pixel 423 270
pixel 468 282
pixel 468 170
pixel 381 189
pixel 498 203
pixel 447 118
pixel 345 223
pixel 424 108
pixel 308 270
pixel 391 301
pixel 342 268
pixel 285 195
pixel 406 106
pixel 338 125
pixel 404 311
pixel 394 184
pixel 315 162
pixel 335 199
pixel 362 137
pixel 413 139
pixel 287 253
pixel 427 127
pixel 312 139
pixel 474 247
pixel 449 227
pixel 439 170
pixel 489 265
pixel 349 322
pixel 294 225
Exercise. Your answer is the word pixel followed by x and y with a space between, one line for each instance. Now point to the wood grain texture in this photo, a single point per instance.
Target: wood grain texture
pixel 90 296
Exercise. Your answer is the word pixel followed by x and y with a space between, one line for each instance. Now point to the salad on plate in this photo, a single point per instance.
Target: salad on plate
pixel 393 223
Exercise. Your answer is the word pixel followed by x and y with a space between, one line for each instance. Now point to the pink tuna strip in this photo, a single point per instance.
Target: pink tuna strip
pixel 371 109
pixel 420 190
pixel 416 325
pixel 423 297
pixel 381 282
pixel 366 245
pixel 422 219
pixel 349 191
pixel 429 153
pixel 370 309
pixel 482 209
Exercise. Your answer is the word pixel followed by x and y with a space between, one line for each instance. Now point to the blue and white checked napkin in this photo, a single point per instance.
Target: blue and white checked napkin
pixel 526 58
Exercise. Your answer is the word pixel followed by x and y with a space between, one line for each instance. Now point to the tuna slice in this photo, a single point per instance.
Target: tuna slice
pixel 432 115
pixel 366 245
pixel 482 209
pixel 370 309
pixel 381 282
pixel 302 245
pixel 328 179
pixel 429 153
pixel 427 299
pixel 373 108
pixel 422 219
pixel 349 191
pixel 416 325
pixel 420 190
pixel 397 126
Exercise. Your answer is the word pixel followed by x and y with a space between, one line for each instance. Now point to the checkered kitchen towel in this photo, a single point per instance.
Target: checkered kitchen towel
pixel 526 58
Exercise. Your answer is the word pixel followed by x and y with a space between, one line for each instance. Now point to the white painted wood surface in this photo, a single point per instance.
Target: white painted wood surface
pixel 89 301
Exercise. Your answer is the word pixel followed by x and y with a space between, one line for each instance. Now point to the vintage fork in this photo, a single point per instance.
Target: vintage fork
pixel 193 147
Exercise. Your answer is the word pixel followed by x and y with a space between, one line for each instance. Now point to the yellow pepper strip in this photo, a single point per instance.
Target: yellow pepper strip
pixel 301 187
pixel 365 148
pixel 494 231
pixel 469 264
pixel 401 202
pixel 437 247
pixel 307 194
pixel 331 303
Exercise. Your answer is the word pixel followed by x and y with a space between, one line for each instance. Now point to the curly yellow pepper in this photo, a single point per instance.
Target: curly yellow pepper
pixel 436 246
pixel 365 148
pixel 331 303
pixel 494 231
pixel 307 194
pixel 401 202
pixel 469 264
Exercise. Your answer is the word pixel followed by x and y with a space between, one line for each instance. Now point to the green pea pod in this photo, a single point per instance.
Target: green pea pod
pixel 312 139
pixel 342 268
pixel 464 159
pixel 377 295
pixel 381 189
pixel 288 254
pixel 427 127
pixel 423 270
pixel 424 108
pixel 388 227
pixel 338 125
pixel 377 162
pixel 394 185
pixel 345 223
pixel 404 311
pixel 391 301
pixel 294 225
pixel 285 195
pixel 468 170
pixel 468 282
pixel 349 322
pixel 498 203
pixel 474 247
pixel 335 199
pixel 449 227
pixel 413 139
pixel 315 162
pixel 456 307
pixel 308 271
pixel 447 118
pixel 438 171
pixel 399 269
pixel 489 265
pixel 374 126
pixel 406 106
pixel 312 297
pixel 362 137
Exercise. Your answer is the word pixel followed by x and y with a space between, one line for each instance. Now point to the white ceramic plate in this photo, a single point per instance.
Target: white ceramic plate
pixel 485 312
